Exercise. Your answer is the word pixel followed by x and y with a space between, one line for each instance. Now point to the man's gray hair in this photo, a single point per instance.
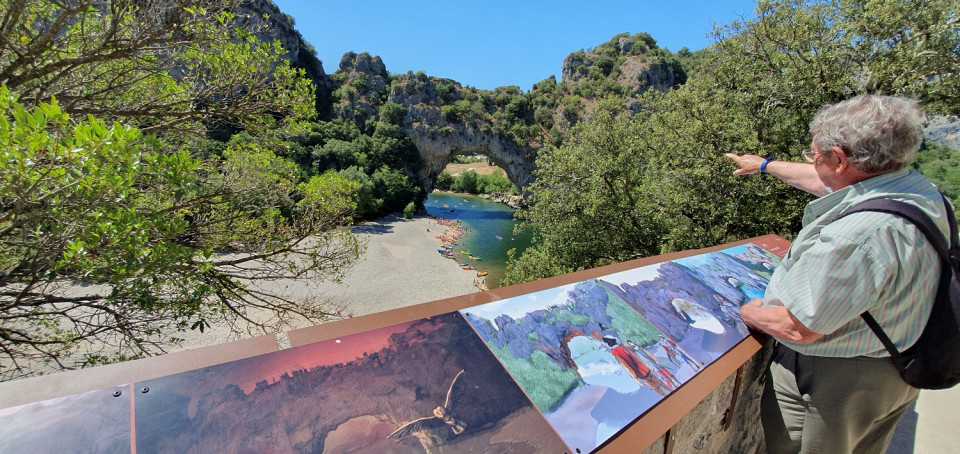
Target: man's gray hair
pixel 878 133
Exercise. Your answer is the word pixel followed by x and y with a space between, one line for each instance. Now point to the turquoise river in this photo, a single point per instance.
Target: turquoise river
pixel 489 232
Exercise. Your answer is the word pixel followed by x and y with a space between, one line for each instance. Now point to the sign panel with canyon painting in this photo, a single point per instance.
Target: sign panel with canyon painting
pixel 559 370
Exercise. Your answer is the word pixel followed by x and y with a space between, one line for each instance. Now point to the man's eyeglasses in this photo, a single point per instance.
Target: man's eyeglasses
pixel 809 154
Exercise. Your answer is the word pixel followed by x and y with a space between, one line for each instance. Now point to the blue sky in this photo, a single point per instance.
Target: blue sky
pixel 487 44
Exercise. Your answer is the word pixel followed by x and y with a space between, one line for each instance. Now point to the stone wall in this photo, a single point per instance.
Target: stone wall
pixel 710 428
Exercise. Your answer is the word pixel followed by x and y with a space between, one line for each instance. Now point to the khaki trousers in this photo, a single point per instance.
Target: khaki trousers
pixel 814 404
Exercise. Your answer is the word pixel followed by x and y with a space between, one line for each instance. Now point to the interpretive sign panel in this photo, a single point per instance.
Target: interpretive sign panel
pixel 406 388
pixel 96 421
pixel 562 369
pixel 595 355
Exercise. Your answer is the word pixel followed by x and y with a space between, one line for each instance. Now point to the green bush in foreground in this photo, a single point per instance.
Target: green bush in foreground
pixel 142 230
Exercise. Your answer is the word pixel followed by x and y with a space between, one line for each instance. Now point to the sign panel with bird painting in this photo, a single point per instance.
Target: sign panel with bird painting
pixel 425 386
pixel 557 370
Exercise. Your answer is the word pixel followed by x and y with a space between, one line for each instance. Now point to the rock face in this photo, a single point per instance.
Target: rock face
pixel 439 139
pixel 366 80
pixel 944 131
pixel 637 73
pixel 280 26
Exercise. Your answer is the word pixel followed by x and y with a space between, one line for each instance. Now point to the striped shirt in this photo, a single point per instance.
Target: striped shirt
pixel 834 271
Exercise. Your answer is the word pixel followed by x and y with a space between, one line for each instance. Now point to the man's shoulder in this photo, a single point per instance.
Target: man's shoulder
pixel 904 186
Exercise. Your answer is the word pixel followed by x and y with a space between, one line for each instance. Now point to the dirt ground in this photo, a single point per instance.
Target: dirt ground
pixel 482 168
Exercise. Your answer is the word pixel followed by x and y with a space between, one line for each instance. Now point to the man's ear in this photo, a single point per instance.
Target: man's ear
pixel 842 162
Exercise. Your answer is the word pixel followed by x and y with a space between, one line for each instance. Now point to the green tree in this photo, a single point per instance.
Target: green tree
pixel 465 182
pixel 409 210
pixel 941 165
pixel 392 113
pixel 390 147
pixel 368 205
pixel 444 180
pixel 394 188
pixel 162 66
pixel 630 185
pixel 590 201
pixel 495 183
pixel 167 231
pixel 142 229
pixel 338 154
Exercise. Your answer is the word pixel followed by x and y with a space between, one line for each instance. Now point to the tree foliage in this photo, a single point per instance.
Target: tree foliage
pixel 627 184
pixel 158 65
pixel 941 165
pixel 109 244
pixel 469 181
pixel 119 224
pixel 381 161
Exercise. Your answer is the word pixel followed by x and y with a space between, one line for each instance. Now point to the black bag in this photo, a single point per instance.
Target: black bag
pixel 933 362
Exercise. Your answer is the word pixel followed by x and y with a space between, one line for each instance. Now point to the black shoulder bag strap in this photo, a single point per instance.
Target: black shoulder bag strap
pixel 923 222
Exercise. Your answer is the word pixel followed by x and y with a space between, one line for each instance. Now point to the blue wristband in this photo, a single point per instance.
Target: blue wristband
pixel 763 165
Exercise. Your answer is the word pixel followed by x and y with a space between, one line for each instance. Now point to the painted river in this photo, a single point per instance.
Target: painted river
pixel 489 231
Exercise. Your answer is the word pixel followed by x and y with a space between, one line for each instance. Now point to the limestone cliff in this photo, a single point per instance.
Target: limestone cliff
pixel 439 139
pixel 445 119
pixel 271 23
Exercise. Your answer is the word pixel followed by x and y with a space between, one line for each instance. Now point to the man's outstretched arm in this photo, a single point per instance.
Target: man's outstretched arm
pixel 800 175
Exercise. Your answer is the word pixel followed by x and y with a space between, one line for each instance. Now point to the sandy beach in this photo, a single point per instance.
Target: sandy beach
pixel 401 267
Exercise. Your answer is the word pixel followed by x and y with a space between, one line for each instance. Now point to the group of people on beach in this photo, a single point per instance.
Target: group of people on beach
pixel 448 240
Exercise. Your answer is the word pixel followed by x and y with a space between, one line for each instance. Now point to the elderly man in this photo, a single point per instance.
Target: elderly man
pixel 831 386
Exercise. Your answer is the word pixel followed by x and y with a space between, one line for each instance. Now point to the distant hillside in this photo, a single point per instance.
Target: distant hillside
pixel 439 118
pixel 444 118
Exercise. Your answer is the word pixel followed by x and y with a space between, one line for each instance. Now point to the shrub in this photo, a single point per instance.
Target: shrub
pixel 466 182
pixel 409 210
pixel 444 180
pixel 495 183
pixel 451 113
pixel 392 113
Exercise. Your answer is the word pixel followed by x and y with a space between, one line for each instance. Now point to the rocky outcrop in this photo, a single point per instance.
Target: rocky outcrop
pixel 270 23
pixel 363 79
pixel 638 73
pixel 439 139
pixel 944 131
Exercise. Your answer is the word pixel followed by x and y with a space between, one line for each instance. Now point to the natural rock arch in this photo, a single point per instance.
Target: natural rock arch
pixel 439 140
pixel 439 148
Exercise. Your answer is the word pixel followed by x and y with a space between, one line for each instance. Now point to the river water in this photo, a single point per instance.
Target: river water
pixel 489 231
